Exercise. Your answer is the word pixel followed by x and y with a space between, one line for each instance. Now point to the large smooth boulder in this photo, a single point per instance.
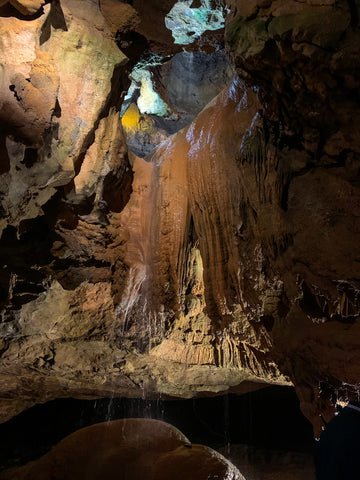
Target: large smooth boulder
pixel 129 449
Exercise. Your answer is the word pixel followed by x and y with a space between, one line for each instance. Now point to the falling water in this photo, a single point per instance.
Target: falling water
pixel 136 278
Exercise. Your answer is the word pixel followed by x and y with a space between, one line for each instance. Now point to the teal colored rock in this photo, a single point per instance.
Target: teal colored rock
pixel 187 24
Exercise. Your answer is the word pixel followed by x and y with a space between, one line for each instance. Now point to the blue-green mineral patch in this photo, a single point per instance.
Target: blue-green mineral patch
pixel 187 24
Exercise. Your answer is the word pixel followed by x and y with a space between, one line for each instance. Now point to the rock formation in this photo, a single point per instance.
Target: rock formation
pixel 221 260
pixel 128 449
pixel 305 195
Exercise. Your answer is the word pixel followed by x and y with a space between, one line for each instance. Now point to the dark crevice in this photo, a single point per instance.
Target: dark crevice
pixel 4 157
pixel 133 45
pixel 285 196
pixel 31 247
pixel 254 15
pixel 8 10
pixel 30 157
pixel 21 257
pixel 25 254
pixel 293 142
pixel 189 275
pixel 316 306
pixel 320 147
pixel 12 88
pixel 62 264
pixel 5 276
pixel 354 14
pixel 268 321
pixel 85 206
pixel 51 133
pixel 117 187
pixel 57 109
pixel 25 287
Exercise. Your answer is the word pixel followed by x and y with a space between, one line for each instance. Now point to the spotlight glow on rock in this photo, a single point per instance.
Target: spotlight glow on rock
pixel 187 24
pixel 149 101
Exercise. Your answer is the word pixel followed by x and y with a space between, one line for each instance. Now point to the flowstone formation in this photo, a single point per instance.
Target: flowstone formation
pixel 207 246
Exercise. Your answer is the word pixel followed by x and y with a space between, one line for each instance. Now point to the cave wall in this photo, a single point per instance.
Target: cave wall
pixel 304 58
pixel 224 260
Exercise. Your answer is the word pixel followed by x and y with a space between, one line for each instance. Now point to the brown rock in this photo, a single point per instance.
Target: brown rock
pixel 119 16
pixel 128 449
pixel 152 25
pixel 27 7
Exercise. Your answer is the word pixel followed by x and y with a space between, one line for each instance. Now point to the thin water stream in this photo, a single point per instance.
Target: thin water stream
pixel 268 419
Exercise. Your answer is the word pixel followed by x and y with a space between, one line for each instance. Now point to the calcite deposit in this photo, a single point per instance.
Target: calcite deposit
pixel 223 256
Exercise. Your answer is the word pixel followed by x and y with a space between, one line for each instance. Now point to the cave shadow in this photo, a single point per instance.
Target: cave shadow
pixel 4 156
pixel 8 10
pixel 55 19
pixel 269 418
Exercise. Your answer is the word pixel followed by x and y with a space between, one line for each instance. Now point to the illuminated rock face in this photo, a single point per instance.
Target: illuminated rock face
pixel 128 449
pixel 166 95
pixel 187 23
pixel 224 261
pixel 56 78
